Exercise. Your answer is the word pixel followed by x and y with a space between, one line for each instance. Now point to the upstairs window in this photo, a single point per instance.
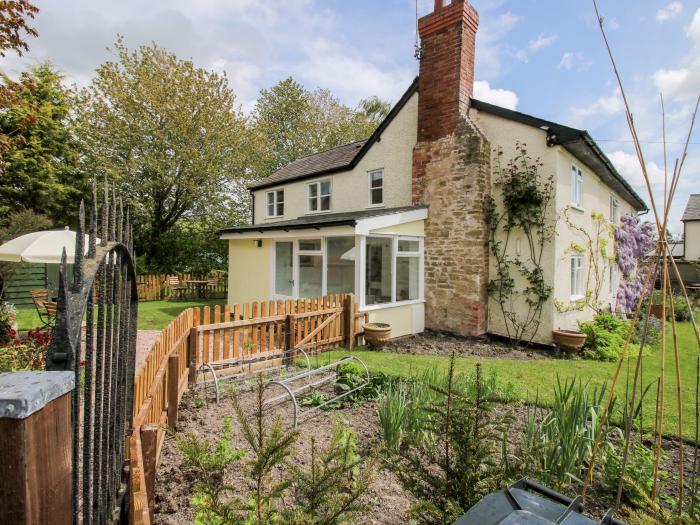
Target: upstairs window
pixel 576 186
pixel 275 203
pixel 614 210
pixel 376 188
pixel 319 196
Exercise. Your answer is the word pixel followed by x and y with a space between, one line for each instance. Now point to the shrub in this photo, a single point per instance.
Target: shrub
pixel 8 315
pixel 639 472
pixel 607 334
pixel 25 353
pixel 467 434
pixel 391 409
pixel 653 335
pixel 681 309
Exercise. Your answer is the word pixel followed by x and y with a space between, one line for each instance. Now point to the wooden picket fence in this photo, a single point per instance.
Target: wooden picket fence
pixel 222 333
pixel 154 287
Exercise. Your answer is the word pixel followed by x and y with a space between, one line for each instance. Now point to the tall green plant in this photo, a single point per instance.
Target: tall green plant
pixel 467 433
pixel 521 210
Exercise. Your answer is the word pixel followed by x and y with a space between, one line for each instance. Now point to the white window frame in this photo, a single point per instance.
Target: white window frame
pixel 318 183
pixel 299 252
pixel 576 187
pixel 275 202
pixel 371 204
pixel 361 280
pixel 576 269
pixel 614 210
pixel 613 280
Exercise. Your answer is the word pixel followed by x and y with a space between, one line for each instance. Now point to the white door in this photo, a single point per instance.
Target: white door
pixel 284 270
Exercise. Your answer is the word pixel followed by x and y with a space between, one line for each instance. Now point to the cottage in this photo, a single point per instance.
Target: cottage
pixel 399 220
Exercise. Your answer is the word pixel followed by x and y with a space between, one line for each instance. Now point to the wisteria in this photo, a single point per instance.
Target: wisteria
pixel 634 240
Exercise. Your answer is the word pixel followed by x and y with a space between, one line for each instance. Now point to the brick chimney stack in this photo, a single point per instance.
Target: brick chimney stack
pixel 446 78
pixel 452 173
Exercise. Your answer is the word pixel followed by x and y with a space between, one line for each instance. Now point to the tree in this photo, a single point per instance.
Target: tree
pixel 170 135
pixel 293 122
pixel 40 156
pixel 14 15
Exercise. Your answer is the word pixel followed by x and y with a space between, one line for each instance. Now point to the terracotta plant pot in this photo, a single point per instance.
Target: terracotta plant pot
pixel 657 310
pixel 377 333
pixel 569 339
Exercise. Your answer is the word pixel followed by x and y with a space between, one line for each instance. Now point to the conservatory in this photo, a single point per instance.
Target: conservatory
pixel 376 255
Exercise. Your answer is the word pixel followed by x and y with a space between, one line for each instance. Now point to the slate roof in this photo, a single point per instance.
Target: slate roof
pixel 321 220
pixel 341 158
pixel 577 142
pixel 692 209
pixel 332 159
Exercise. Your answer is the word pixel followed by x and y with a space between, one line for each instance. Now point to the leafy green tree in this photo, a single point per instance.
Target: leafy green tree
pixel 14 25
pixel 292 122
pixel 171 136
pixel 40 155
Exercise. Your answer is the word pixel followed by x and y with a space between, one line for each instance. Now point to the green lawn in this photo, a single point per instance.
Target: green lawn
pixel 532 378
pixel 153 315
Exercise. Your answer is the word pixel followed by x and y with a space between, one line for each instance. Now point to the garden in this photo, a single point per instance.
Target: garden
pixel 429 436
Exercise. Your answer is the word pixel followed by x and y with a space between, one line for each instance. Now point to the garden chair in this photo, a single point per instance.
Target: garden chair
pixel 45 308
pixel 212 284
pixel 177 288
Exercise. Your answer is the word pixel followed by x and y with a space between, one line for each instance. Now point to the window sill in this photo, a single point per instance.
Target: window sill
pixel 575 298
pixel 381 306
pixel 577 208
pixel 375 206
pixel 318 212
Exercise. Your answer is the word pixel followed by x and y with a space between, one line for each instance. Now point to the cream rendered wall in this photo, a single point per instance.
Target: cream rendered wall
pixel 249 275
pixel 414 228
pixel 596 198
pixel 404 320
pixel 350 189
pixel 505 134
pixel 692 240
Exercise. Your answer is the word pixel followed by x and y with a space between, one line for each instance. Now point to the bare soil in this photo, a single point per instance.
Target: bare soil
pixel 387 499
pixel 437 343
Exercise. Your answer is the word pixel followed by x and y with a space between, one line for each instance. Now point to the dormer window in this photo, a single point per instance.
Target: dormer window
pixel 376 188
pixel 319 196
pixel 275 203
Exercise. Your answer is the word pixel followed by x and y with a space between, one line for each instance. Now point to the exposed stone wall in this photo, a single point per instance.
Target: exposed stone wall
pixel 452 175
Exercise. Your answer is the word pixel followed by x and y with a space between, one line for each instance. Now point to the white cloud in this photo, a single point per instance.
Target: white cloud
pixel 605 105
pixel 535 45
pixel 682 83
pixel 574 61
pixel 499 97
pixel 489 45
pixel 670 11
pixel 628 166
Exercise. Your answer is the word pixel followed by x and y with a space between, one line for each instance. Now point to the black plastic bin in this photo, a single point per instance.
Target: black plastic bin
pixel 528 503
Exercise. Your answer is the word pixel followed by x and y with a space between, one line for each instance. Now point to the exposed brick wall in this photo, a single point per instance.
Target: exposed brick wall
pixel 451 173
pixel 452 176
pixel 446 79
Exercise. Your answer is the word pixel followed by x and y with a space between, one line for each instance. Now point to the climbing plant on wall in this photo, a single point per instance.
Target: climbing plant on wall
pixel 597 245
pixel 635 240
pixel 520 226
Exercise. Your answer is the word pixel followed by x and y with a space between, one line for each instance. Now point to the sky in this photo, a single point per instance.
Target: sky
pixel 542 57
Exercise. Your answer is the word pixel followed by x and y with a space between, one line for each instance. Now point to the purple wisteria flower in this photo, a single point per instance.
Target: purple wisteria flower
pixel 634 240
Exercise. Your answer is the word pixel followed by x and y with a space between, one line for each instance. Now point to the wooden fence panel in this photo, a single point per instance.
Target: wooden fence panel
pixel 155 287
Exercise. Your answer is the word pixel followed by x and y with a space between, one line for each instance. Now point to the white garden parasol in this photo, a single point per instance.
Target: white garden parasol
pixel 42 247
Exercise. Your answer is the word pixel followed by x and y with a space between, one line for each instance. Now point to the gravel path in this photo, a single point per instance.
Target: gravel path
pixel 144 341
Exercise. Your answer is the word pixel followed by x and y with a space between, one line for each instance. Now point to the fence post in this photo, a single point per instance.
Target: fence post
pixel 192 354
pixel 149 444
pixel 35 463
pixel 291 325
pixel 349 322
pixel 173 383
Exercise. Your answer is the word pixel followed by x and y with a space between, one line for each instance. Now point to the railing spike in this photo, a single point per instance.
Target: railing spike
pixel 92 248
pixel 105 214
pixel 120 222
pixel 113 214
pixel 79 250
